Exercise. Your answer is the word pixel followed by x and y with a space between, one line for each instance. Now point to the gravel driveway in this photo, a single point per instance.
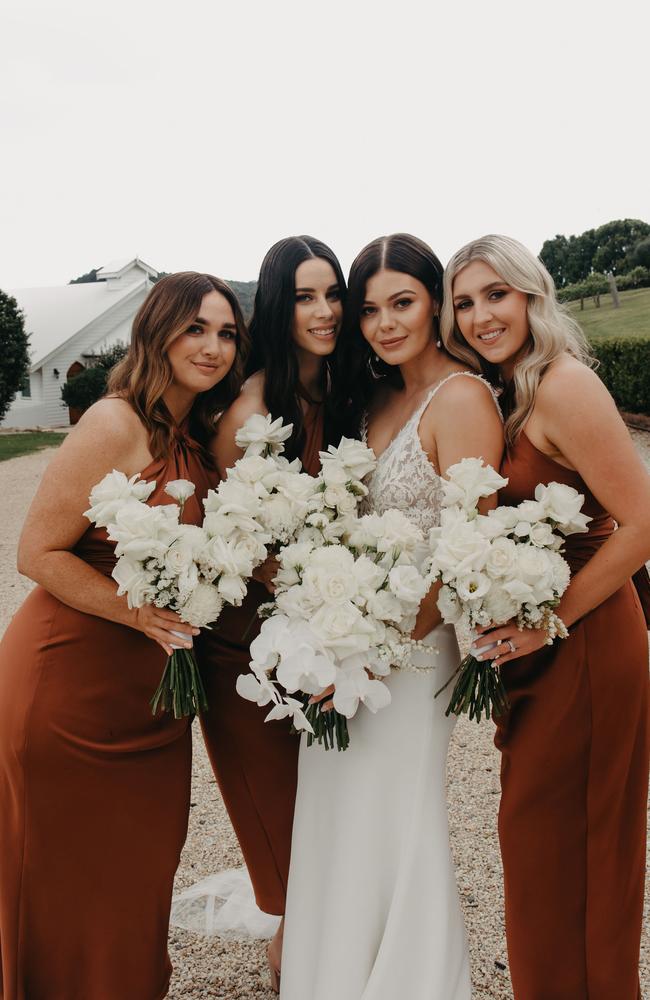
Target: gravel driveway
pixel 230 970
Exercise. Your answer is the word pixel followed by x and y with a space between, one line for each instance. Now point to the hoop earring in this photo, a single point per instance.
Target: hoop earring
pixel 376 375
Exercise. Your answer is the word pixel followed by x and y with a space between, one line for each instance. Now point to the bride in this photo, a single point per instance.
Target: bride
pixel 372 909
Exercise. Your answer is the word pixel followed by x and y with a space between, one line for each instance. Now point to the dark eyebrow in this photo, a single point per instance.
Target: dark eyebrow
pixel 331 288
pixel 225 326
pixel 405 291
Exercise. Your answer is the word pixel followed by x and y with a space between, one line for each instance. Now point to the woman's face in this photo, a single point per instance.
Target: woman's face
pixel 318 309
pixel 204 354
pixel 397 316
pixel 491 315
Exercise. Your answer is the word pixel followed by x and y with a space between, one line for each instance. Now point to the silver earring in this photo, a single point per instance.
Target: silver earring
pixel 371 366
pixel 438 343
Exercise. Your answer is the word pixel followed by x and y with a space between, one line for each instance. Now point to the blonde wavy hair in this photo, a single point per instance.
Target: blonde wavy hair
pixel 552 330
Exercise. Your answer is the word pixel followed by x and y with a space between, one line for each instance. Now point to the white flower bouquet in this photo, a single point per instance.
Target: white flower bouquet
pixel 497 567
pixel 193 570
pixel 348 591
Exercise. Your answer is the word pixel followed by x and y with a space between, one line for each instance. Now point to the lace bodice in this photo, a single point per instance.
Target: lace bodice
pixel 404 477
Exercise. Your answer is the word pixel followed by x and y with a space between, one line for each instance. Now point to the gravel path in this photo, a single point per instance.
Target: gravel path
pixel 229 970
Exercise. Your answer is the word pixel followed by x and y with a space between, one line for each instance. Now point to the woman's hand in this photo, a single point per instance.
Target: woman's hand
pixel 157 624
pixel 511 642
pixel 316 698
pixel 266 572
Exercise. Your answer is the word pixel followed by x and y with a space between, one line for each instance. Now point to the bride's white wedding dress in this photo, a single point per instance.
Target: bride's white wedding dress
pixel 373 911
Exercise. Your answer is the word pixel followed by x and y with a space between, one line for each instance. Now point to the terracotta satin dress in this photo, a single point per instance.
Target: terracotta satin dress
pixel 94 792
pixel 255 762
pixel 574 775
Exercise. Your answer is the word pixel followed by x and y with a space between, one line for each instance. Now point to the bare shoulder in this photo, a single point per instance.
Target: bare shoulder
pixel 465 396
pixel 109 427
pixel 249 401
pixel 570 388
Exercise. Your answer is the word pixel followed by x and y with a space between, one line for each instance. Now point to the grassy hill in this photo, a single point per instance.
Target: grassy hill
pixel 632 319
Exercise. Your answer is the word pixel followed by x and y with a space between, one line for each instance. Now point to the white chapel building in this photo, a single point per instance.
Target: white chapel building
pixel 68 326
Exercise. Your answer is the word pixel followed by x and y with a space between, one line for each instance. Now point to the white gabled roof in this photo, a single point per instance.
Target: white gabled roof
pixel 117 268
pixel 54 315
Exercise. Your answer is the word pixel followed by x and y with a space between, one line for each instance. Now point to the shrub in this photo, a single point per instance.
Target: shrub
pixel 625 370
pixel 89 385
pixel 14 352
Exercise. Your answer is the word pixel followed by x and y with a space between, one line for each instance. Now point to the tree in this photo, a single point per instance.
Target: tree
pixel 639 255
pixel 14 352
pixel 571 260
pixel 89 385
pixel 89 276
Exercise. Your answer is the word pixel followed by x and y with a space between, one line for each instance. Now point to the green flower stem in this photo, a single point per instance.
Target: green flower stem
pixel 181 689
pixel 478 691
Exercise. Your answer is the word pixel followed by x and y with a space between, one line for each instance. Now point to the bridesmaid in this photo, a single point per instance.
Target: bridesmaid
pixel 94 791
pixel 294 330
pixel 575 742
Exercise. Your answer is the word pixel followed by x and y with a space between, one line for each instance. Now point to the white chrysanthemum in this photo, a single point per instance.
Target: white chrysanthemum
pixel 203 606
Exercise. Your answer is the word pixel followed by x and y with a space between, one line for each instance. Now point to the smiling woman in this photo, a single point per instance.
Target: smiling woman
pixel 94 791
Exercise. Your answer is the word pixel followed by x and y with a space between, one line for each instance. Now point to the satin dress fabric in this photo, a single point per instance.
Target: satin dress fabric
pixel 255 762
pixel 94 791
pixel 575 747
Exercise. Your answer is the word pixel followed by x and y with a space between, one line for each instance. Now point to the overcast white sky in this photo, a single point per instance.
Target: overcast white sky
pixel 195 134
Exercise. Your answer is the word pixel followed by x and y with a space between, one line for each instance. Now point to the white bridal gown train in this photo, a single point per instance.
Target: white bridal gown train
pixel 373 911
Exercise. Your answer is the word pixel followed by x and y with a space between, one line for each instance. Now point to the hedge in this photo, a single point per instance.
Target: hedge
pixel 625 369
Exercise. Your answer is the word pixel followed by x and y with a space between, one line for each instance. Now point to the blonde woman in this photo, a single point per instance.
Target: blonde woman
pixel 575 741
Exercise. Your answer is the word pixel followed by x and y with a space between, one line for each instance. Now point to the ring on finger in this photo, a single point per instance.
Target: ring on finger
pixel 510 644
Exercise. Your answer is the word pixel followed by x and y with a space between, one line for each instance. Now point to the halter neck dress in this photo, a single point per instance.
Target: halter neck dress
pixel 94 791
pixel 574 775
pixel 255 762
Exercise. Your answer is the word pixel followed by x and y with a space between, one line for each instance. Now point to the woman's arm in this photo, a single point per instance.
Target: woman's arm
pixel 578 417
pixel 223 446
pixel 109 436
pixel 462 421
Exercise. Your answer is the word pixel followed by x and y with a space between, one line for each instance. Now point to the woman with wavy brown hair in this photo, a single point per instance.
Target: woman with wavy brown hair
pixel 94 791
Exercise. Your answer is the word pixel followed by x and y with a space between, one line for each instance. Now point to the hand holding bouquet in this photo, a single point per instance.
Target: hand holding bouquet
pixel 498 567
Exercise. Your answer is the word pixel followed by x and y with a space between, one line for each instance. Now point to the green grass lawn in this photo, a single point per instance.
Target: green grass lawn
pixel 631 319
pixel 13 445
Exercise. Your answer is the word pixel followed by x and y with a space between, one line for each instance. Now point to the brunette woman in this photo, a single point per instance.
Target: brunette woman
pixel 293 375
pixel 575 742
pixel 94 791
pixel 372 909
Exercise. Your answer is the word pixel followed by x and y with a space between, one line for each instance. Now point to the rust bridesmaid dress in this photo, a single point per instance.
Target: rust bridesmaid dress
pixel 94 792
pixel 575 747
pixel 255 762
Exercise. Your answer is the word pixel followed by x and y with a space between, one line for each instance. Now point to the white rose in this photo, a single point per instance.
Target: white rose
pixel 499 605
pixel 330 574
pixel 203 606
pixel 449 606
pixel 297 602
pixel 459 549
pixel 468 481
pixel 502 558
pixel 339 498
pixel 295 556
pixel 141 531
pixel 180 490
pixel 533 564
pixel 232 589
pixel 342 629
pixel 133 581
pixel 256 471
pixel 563 505
pixel 178 557
pixel 385 606
pixel 112 492
pixel 560 571
pixel 368 576
pixel 228 557
pixel 356 458
pixel 508 517
pixel 396 532
pixel 263 435
pixel 541 534
pixel 407 584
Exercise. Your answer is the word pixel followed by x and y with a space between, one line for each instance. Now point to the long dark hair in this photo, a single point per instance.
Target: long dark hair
pixel 399 252
pixel 144 374
pixel 273 347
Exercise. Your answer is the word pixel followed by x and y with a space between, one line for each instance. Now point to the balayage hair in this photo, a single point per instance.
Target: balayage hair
pixel 400 252
pixel 273 347
pixel 552 330
pixel 144 374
